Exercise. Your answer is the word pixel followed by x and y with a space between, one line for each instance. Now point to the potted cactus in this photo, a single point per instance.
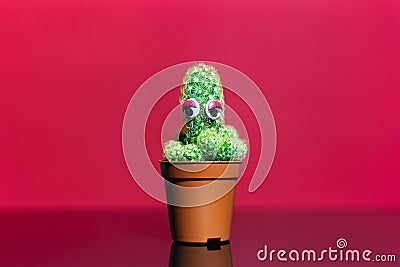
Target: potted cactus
pixel 206 154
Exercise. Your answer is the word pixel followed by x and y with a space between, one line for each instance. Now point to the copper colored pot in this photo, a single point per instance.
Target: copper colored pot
pixel 210 220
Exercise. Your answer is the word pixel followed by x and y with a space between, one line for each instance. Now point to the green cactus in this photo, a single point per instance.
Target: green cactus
pixel 208 141
pixel 173 150
pixel 204 135
pixel 191 152
pixel 239 149
pixel 231 131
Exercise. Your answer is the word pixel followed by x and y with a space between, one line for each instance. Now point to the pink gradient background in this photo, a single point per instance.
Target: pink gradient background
pixel 329 69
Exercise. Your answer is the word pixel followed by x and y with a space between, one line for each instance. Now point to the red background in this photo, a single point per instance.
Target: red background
pixel 329 69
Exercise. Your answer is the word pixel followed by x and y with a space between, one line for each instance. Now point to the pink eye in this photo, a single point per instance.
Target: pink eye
pixel 190 108
pixel 213 109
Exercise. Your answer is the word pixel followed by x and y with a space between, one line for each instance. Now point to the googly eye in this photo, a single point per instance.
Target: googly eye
pixel 213 109
pixel 190 108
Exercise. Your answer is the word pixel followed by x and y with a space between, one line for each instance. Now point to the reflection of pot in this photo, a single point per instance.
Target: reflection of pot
pixel 212 219
pixel 200 256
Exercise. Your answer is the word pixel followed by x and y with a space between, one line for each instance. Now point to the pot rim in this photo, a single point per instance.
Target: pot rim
pixel 201 162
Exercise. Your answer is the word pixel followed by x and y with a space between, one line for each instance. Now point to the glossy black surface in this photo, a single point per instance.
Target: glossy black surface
pixel 141 237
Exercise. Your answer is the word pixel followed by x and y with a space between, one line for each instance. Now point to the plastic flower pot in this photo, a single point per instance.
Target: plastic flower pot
pixel 211 221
